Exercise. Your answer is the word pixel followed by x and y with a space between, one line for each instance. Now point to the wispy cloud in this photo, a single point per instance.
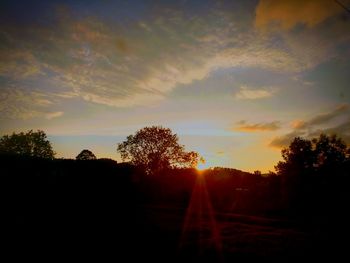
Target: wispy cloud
pixel 19 64
pixel 53 115
pixel 327 117
pixel 322 118
pixel 20 104
pixel 284 140
pixel 343 130
pixel 246 93
pixel 255 127
pixel 298 124
pixel 336 121
pixel 90 59
pixel 107 66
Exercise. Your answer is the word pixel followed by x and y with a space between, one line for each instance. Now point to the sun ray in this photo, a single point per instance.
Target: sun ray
pixel 200 229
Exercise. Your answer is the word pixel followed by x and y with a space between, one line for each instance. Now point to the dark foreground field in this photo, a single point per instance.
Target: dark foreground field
pixel 157 234
pixel 72 211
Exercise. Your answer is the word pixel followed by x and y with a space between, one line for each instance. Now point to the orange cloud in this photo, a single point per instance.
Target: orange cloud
pixel 246 127
pixel 298 124
pixel 286 14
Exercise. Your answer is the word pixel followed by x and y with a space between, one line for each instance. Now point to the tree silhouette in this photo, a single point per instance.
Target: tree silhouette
pixel 331 152
pixel 85 155
pixel 156 148
pixel 299 157
pixel 312 167
pixel 306 156
pixel 257 173
pixel 295 169
pixel 30 144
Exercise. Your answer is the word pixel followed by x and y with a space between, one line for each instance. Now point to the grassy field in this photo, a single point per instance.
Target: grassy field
pixel 227 236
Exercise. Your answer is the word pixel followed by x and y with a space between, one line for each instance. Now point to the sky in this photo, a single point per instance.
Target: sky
pixel 235 80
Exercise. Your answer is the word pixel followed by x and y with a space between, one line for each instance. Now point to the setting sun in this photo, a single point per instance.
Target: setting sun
pixel 202 167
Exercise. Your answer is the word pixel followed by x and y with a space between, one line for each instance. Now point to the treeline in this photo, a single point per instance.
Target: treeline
pixel 68 185
pixel 38 185
pixel 312 178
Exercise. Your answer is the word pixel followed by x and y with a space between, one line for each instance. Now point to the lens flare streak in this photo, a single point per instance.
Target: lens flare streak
pixel 200 229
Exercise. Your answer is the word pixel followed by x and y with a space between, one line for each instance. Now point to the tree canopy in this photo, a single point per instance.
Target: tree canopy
pixel 314 172
pixel 156 148
pixel 298 157
pixel 325 153
pixel 30 144
pixel 85 155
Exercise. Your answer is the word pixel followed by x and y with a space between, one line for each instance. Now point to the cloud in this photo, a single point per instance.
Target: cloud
pixel 134 100
pixel 322 118
pixel 286 14
pixel 20 104
pixel 145 26
pixel 19 64
pixel 107 64
pixel 343 130
pixel 336 121
pixel 246 93
pixel 258 53
pixel 298 124
pixel 53 115
pixel 268 126
pixel 135 67
pixel 66 94
pixel 284 140
pixel 327 117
